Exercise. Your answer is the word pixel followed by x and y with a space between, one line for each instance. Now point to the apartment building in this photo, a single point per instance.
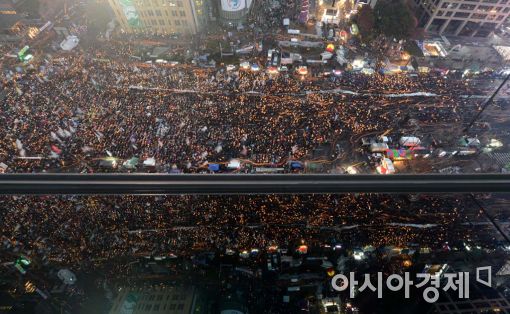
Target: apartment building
pixel 476 18
pixel 160 16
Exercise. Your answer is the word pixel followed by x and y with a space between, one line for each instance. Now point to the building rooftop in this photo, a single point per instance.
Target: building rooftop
pixel 7 21
pixel 6 5
pixel 8 15
pixel 154 300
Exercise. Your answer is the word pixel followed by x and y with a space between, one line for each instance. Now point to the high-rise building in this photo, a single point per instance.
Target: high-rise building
pixel 160 16
pixel 476 18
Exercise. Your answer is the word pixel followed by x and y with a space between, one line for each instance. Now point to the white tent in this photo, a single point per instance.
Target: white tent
pixel 67 276
pixel 326 55
pixel 69 43
pixel 149 162
pixel 234 164
pixel 409 141
pixel 368 71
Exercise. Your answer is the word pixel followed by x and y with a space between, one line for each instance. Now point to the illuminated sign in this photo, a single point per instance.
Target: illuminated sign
pixel 22 52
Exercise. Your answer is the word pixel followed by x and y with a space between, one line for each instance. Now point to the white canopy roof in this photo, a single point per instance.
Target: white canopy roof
pixel 69 43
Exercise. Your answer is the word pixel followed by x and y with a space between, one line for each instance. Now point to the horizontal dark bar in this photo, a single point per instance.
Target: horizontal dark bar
pixel 248 184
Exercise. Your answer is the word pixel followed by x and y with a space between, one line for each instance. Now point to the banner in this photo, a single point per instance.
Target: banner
pixel 233 5
pixel 130 12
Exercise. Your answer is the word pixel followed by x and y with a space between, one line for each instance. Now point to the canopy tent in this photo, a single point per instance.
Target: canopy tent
pixel 131 163
pixel 214 167
pixel 504 52
pixel 149 162
pixel 368 71
pixel 326 55
pixel 409 141
pixel 108 162
pixel 398 154
pixel 175 169
pixel 234 164
pixel 467 141
pixel 67 276
pixel 296 165
pixel 69 43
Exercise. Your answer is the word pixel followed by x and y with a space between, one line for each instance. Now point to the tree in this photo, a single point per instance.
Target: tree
pixel 394 19
pixel 366 21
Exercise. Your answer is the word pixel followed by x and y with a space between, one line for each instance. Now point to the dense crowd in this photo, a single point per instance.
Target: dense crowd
pixel 76 229
pixel 71 111
pixel 68 112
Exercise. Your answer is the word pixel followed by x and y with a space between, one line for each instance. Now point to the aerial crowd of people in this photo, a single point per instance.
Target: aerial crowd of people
pixel 77 230
pixel 67 112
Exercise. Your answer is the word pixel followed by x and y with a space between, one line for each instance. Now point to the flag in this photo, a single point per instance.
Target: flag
pixel 61 133
pixel 54 136
pixel 56 149
pixel 99 135
pixel 19 145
